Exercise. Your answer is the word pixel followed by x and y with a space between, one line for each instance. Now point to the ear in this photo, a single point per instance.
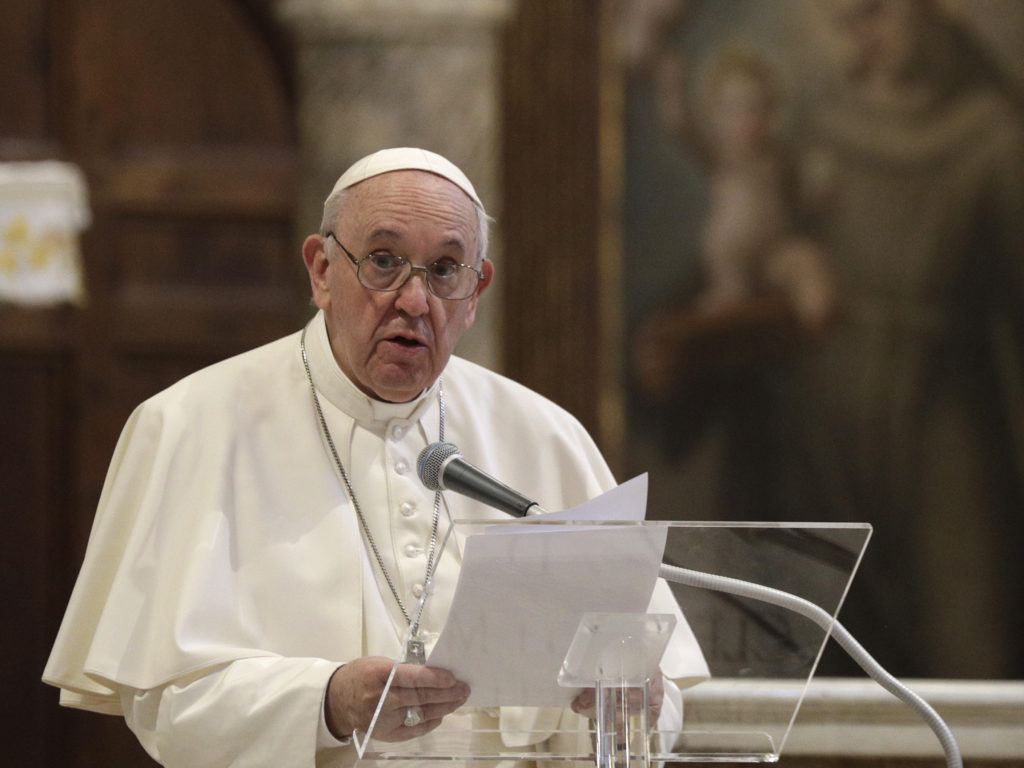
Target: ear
pixel 487 267
pixel 314 254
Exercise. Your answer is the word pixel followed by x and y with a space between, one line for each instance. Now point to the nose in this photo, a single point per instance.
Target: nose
pixel 413 295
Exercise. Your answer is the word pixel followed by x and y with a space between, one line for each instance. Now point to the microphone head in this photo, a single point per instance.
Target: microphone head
pixel 430 464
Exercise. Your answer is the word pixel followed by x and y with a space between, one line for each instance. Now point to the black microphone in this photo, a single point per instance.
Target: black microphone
pixel 442 468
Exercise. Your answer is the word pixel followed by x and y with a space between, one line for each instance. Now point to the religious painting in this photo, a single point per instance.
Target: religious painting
pixel 823 282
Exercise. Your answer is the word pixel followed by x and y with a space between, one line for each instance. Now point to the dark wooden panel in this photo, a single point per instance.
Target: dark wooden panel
pixel 37 330
pixel 552 207
pixel 181 114
pixel 254 181
pixel 25 64
pixel 37 431
pixel 181 72
pixel 229 255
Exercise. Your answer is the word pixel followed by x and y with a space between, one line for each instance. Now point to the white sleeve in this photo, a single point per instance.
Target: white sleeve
pixel 250 712
pixel 670 721
pixel 324 738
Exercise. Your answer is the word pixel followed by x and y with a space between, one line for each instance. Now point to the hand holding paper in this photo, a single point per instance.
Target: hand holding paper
pixel 522 592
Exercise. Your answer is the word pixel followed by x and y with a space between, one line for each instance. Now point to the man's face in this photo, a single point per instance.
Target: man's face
pixel 395 344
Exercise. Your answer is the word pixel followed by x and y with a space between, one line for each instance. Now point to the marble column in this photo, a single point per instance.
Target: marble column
pixel 380 73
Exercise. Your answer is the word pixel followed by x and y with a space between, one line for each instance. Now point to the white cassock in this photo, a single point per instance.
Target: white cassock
pixel 226 577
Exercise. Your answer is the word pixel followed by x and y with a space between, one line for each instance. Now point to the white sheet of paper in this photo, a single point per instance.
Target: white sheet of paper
pixel 520 596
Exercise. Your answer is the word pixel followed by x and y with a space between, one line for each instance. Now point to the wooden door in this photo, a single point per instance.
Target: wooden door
pixel 181 114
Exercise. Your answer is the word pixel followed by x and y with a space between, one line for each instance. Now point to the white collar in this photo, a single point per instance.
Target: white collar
pixel 339 389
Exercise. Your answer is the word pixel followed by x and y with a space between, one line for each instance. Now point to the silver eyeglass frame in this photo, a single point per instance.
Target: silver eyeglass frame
pixel 413 268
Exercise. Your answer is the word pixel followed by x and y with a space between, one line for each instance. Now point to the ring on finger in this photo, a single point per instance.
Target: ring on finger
pixel 413 717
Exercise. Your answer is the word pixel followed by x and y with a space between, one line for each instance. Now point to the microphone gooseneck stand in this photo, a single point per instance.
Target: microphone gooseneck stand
pixel 441 466
pixel 842 636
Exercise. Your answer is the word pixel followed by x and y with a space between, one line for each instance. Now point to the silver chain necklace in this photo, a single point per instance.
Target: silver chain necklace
pixel 414 649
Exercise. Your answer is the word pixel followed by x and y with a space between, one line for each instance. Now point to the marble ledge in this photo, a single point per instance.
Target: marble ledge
pixel 842 717
pixel 331 20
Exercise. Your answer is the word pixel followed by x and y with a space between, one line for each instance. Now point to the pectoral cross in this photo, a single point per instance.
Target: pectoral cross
pixel 415 652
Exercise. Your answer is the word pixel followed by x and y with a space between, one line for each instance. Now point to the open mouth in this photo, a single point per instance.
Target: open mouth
pixel 405 341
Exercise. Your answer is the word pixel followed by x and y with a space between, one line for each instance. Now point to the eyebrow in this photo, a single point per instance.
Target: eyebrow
pixel 395 236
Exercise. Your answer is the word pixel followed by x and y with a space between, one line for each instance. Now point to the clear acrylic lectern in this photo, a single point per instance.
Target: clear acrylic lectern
pixel 554 631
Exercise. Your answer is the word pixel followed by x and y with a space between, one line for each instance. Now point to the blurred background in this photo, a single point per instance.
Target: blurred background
pixel 770 251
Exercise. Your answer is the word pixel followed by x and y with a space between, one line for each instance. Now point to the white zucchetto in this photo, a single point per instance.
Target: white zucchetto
pixel 406 159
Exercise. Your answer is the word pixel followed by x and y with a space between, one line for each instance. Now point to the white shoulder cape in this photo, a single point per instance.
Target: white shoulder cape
pixel 221 506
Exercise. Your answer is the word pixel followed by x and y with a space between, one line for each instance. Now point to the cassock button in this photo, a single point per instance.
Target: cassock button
pixel 417 590
pixel 397 432
pixel 411 550
pixel 407 508
pixel 401 467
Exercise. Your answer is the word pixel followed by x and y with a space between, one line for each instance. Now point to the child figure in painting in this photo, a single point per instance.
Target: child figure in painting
pixel 750 244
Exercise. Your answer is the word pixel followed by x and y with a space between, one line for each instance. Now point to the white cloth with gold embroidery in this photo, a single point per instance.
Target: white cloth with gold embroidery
pixel 43 207
pixel 226 576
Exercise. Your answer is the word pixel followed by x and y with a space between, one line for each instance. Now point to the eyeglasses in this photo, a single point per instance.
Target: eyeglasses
pixel 383 271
